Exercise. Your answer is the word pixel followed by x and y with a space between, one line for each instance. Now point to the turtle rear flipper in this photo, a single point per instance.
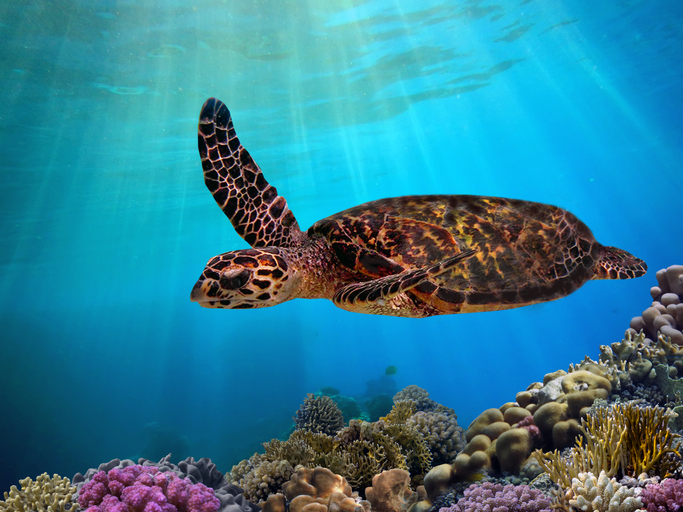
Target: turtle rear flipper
pixel 377 296
pixel 257 212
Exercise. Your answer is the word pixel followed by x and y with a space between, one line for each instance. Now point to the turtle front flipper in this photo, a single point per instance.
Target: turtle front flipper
pixel 386 295
pixel 257 212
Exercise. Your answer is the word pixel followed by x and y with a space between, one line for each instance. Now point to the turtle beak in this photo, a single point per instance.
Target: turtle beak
pixel 197 294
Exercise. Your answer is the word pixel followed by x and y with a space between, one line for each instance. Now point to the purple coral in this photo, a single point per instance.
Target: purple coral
pixel 529 425
pixel 490 497
pixel 145 489
pixel 664 497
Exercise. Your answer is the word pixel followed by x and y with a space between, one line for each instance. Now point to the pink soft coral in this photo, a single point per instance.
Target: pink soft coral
pixel 145 489
pixel 664 497
pixel 490 497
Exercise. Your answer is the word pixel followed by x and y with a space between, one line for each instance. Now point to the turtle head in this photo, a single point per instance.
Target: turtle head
pixel 246 279
pixel 615 263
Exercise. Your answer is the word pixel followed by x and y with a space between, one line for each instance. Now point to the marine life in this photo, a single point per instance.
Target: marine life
pixel 412 256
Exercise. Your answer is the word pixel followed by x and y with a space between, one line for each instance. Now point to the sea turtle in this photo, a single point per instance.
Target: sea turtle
pixel 413 256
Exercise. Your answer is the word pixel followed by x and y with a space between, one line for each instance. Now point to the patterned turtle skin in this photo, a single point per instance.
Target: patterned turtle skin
pixel 413 256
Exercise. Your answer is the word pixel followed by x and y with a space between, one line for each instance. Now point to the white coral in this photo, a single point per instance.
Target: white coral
pixel 602 494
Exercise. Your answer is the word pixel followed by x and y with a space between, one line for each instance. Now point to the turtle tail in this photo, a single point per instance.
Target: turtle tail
pixel 615 263
pixel 257 212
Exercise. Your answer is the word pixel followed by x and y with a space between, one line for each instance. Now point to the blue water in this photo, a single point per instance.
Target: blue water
pixel 105 222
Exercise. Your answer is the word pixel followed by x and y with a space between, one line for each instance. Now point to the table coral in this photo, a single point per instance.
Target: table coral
pixel 664 497
pixel 490 497
pixel 319 414
pixel 45 494
pixel 145 489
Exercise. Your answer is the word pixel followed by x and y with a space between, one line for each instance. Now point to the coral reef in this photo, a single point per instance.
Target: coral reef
pixel 623 439
pixel 601 494
pixel 198 471
pixel 390 491
pixel 319 414
pixel 490 497
pixel 53 494
pixel 260 477
pixel 664 497
pixel 378 406
pixel 358 452
pixel 419 396
pixel 442 433
pixel 665 316
pixel 138 488
pixel 314 490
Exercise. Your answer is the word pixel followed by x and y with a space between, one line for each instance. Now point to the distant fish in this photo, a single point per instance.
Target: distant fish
pixel 391 370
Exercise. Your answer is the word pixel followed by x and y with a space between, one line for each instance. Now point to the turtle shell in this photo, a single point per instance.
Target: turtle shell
pixel 526 252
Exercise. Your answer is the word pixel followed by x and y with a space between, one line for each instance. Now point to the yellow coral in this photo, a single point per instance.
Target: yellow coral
pixel 625 438
pixel 400 412
pixel 46 494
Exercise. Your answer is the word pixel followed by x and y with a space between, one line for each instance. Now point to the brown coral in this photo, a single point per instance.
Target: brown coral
pixel 390 491
pixel 318 482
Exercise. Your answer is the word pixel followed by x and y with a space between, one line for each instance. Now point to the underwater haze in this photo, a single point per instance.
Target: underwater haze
pixel 106 223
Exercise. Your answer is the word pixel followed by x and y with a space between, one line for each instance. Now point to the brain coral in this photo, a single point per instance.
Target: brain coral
pixel 145 489
pixel 47 493
pixel 319 414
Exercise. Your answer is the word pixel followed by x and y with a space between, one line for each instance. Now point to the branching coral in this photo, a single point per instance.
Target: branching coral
pixel 47 493
pixel 401 411
pixel 602 494
pixel 625 438
pixel 319 414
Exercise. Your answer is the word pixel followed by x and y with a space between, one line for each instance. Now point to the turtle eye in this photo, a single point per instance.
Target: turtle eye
pixel 234 279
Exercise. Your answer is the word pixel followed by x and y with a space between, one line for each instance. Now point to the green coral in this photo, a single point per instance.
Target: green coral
pixel 401 411
pixel 46 494
pixel 260 477
pixel 358 452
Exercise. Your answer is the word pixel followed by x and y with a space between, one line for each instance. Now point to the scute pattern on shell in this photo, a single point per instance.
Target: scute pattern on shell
pixel 526 252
